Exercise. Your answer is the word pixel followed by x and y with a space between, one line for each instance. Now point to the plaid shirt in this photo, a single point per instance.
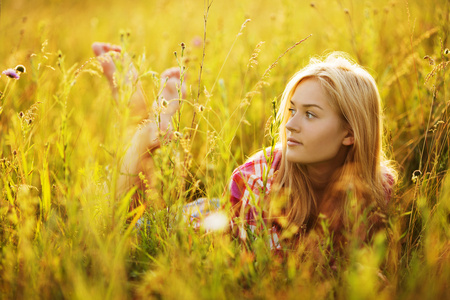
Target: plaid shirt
pixel 246 187
pixel 249 185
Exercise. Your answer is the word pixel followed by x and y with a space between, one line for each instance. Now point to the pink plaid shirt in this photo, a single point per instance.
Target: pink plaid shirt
pixel 249 185
pixel 252 182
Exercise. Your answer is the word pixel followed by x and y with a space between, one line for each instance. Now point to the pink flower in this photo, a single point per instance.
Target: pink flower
pixel 11 73
pixel 197 41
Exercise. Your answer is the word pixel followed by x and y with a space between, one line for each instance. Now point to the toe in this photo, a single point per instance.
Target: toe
pixel 102 48
pixel 97 48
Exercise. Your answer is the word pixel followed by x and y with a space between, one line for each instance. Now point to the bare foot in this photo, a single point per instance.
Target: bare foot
pixel 104 52
pixel 147 138
pixel 170 87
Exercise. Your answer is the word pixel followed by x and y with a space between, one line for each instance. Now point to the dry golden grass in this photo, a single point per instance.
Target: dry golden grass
pixel 62 233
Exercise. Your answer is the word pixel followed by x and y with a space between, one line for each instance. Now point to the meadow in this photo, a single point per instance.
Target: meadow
pixel 64 233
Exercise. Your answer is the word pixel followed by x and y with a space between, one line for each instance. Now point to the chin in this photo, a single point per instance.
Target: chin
pixel 293 158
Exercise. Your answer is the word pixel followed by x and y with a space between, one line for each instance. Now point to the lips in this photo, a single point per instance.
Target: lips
pixel 293 142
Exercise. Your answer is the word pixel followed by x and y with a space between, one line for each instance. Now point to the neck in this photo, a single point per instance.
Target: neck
pixel 321 175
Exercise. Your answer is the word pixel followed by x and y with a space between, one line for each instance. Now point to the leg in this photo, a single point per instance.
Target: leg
pixel 148 137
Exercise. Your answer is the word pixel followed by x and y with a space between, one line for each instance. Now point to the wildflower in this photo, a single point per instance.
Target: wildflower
pixel 201 108
pixel 183 46
pixel 11 73
pixel 197 41
pixel 164 103
pixel 415 175
pixel 20 69
pixel 446 51
pixel 21 114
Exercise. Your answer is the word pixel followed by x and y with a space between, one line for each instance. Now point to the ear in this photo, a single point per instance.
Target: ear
pixel 348 139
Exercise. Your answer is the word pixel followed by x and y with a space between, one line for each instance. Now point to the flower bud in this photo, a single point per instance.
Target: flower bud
pixel 178 134
pixel 20 69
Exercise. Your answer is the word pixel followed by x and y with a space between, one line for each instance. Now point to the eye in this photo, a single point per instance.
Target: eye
pixel 309 115
pixel 291 112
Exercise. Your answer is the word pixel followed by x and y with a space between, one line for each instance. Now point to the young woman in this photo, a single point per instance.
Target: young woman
pixel 329 163
pixel 330 160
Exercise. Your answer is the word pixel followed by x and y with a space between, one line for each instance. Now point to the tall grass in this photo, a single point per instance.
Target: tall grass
pixel 64 233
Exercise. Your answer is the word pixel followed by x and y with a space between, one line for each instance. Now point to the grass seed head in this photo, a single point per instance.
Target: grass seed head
pixel 178 134
pixel 430 60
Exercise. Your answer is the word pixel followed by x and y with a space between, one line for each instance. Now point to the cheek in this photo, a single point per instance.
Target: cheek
pixel 326 140
pixel 333 136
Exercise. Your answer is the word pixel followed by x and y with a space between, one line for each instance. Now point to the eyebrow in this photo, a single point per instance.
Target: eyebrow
pixel 308 105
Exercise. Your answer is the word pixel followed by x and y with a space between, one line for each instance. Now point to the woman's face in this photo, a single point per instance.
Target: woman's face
pixel 315 131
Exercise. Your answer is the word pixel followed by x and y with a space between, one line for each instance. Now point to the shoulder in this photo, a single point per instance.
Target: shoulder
pixel 259 162
pixel 258 170
pixel 389 178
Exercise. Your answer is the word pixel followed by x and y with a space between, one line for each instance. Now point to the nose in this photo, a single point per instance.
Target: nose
pixel 292 126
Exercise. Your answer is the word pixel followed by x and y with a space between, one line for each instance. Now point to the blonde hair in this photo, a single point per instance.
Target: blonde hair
pixel 366 173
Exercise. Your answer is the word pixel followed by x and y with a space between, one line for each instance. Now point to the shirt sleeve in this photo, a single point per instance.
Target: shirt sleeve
pixel 245 188
pixel 249 184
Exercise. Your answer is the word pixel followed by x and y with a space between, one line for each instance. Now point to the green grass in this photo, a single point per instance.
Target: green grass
pixel 64 235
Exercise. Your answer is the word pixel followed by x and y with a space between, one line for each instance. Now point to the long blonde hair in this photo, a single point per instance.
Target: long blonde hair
pixel 366 173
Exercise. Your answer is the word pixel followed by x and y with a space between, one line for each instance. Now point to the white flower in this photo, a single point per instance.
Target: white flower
pixel 216 221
